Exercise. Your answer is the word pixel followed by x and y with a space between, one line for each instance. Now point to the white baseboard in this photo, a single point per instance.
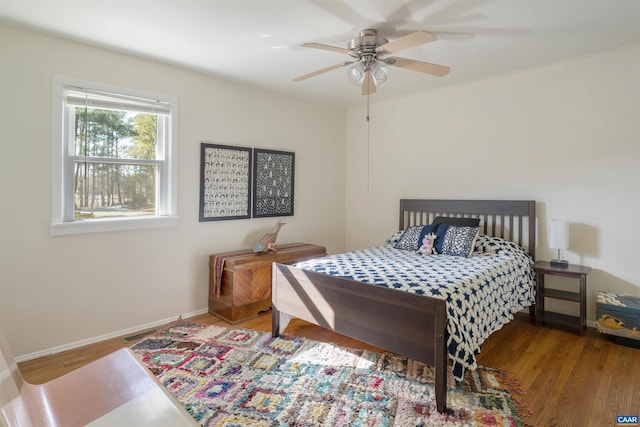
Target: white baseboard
pixel 115 334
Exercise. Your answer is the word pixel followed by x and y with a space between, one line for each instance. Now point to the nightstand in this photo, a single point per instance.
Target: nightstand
pixel 574 271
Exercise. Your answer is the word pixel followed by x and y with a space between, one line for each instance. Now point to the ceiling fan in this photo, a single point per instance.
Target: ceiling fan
pixel 369 52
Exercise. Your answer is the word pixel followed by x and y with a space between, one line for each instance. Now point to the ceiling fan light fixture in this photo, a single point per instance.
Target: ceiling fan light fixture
pixel 380 72
pixel 355 72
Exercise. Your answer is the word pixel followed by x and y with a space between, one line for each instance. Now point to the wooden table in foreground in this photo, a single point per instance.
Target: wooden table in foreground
pixel 246 279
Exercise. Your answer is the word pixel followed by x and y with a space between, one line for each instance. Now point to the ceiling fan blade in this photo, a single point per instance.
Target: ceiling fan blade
pixel 326 47
pixel 321 71
pixel 423 67
pixel 411 40
pixel 368 85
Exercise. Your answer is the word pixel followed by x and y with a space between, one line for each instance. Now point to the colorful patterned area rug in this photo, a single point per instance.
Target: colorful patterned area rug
pixel 241 377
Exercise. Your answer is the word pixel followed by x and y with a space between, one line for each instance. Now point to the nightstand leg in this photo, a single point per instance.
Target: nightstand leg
pixel 539 297
pixel 583 304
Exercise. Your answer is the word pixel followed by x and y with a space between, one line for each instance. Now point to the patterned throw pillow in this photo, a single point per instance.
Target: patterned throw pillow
pixel 394 238
pixel 460 241
pixel 410 238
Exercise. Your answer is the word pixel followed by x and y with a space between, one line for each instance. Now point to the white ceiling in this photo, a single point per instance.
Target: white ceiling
pixel 257 42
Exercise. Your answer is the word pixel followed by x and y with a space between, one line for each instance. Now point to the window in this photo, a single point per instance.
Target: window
pixel 114 161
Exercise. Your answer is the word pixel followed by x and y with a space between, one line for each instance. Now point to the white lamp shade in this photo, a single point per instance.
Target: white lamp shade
pixel 356 73
pixel 380 72
pixel 559 234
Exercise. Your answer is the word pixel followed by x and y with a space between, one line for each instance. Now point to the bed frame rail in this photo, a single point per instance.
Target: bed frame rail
pixel 369 313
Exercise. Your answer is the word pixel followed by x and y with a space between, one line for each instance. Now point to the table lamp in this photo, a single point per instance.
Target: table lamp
pixel 559 239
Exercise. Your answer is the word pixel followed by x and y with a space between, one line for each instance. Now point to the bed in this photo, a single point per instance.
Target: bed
pixel 420 325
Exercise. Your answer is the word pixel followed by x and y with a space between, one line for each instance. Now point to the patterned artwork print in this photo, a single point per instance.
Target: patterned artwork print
pixel 238 377
pixel 483 292
pixel 226 176
pixel 273 183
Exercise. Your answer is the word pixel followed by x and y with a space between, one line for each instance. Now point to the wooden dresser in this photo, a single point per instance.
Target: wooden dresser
pixel 245 288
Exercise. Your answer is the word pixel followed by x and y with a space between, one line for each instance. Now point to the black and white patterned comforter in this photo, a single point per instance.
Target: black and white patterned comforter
pixel 482 291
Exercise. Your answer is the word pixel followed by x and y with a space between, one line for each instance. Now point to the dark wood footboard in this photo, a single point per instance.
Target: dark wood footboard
pixel 411 325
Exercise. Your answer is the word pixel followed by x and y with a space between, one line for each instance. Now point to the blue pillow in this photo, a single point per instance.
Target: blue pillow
pixel 441 231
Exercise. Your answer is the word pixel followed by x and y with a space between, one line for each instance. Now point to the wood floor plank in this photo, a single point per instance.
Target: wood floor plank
pixel 628 391
pixel 573 394
pixel 564 385
pixel 568 379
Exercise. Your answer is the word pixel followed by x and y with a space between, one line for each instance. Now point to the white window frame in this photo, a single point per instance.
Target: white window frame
pixel 62 191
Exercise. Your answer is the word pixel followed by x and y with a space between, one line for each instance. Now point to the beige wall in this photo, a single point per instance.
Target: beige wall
pixel 60 290
pixel 565 135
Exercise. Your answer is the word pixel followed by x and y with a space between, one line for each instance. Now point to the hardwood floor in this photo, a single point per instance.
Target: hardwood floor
pixel 568 380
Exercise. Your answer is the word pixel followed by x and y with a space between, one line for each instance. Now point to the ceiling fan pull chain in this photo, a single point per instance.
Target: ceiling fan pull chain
pixel 368 147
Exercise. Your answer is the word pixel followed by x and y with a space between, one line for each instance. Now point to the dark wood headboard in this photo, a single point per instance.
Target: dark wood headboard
pixel 513 220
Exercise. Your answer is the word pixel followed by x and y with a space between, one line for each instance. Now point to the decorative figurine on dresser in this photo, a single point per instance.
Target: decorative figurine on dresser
pixel 240 281
pixel 268 241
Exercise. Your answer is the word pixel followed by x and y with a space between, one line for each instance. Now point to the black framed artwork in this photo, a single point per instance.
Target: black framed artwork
pixel 273 179
pixel 225 182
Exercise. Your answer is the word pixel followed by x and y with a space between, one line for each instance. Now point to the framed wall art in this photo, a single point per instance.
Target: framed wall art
pixel 225 182
pixel 273 179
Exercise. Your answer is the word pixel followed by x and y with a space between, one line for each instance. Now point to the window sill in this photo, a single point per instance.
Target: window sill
pixel 113 224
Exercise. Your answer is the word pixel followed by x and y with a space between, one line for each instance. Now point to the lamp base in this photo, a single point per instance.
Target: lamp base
pixel 559 263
